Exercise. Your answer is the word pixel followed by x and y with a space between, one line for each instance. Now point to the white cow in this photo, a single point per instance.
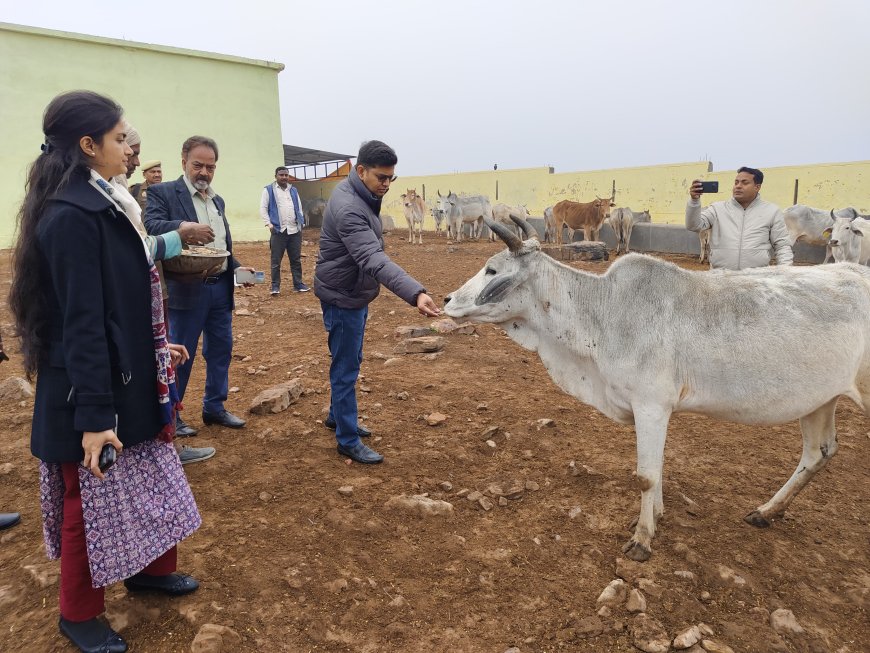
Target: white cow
pixel 415 209
pixel 622 222
pixel 809 224
pixel 850 240
pixel 549 225
pixel 704 241
pixel 464 209
pixel 438 216
pixel 731 345
pixel 501 213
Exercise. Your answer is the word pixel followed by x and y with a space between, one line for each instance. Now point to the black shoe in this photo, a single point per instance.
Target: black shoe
pixel 93 636
pixel 9 519
pixel 171 584
pixel 223 418
pixel 361 430
pixel 361 453
pixel 183 430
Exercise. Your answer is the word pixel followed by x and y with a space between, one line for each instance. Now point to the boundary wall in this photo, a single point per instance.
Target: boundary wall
pixel 662 189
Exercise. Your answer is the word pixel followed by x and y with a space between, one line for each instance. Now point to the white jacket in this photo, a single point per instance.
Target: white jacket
pixel 741 238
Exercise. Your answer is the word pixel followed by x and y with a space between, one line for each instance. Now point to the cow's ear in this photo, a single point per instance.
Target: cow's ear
pixel 827 233
pixel 858 232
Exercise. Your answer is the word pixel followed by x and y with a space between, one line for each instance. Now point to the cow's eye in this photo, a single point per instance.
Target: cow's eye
pixel 490 271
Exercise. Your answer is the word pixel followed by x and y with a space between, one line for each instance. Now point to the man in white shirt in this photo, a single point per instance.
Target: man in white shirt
pixel 744 228
pixel 281 210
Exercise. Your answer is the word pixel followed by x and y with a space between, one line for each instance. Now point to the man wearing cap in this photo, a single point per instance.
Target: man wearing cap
pixel 153 173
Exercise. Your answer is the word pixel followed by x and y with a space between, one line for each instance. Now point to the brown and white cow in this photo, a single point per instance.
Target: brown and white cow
pixel 588 216
pixel 414 209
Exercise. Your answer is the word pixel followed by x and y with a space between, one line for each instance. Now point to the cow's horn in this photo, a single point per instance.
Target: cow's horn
pixel 528 229
pixel 833 217
pixel 510 238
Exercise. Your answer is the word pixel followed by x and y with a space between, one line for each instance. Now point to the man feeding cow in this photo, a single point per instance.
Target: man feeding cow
pixel 744 228
pixel 712 343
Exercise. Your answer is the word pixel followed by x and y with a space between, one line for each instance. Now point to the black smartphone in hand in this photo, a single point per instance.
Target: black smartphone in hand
pixel 709 186
pixel 108 455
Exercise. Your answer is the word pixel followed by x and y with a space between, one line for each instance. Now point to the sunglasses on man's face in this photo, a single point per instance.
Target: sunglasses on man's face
pixel 384 178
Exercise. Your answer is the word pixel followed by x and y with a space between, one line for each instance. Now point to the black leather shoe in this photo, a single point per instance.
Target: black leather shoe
pixel 9 519
pixel 93 636
pixel 171 584
pixel 361 430
pixel 183 430
pixel 361 453
pixel 223 418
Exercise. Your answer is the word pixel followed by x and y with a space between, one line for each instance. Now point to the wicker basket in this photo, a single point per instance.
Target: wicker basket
pixel 195 260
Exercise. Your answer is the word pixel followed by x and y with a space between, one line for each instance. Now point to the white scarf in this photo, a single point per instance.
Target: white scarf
pixel 122 199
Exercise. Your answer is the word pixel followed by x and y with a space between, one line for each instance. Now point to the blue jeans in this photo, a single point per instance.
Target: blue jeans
pixel 211 317
pixel 346 328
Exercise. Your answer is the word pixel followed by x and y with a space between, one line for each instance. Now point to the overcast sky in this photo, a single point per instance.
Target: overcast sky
pixel 461 85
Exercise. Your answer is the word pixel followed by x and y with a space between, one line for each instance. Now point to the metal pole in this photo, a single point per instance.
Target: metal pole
pixel 795 191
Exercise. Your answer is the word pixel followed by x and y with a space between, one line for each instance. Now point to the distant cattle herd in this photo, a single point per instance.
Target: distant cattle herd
pixel 841 231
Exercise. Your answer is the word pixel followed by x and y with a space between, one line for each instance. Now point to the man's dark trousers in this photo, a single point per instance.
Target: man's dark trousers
pixel 212 316
pixel 279 243
pixel 346 327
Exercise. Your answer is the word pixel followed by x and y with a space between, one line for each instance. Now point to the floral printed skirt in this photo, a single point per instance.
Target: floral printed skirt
pixel 142 509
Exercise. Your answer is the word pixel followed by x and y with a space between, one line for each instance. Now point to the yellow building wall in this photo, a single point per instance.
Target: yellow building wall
pixel 661 189
pixel 168 94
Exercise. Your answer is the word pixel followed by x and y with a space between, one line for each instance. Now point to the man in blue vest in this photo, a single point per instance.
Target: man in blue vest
pixel 282 214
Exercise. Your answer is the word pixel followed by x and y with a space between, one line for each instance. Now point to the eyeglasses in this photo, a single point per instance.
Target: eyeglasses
pixel 384 178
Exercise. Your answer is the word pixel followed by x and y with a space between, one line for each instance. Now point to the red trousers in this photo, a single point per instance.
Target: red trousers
pixel 79 600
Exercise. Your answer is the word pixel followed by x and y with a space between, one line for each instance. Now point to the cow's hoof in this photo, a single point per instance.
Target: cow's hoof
pixel 756 519
pixel 636 551
pixel 633 524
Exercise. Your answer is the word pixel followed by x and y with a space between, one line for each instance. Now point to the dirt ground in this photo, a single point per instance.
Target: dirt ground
pixel 291 564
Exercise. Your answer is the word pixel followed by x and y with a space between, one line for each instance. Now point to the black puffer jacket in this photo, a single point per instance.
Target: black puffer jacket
pixel 352 263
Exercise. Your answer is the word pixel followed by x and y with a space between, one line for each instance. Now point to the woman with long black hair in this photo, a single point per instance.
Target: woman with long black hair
pixel 87 304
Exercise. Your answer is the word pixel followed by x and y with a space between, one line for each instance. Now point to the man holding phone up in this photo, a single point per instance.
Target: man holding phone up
pixel 744 228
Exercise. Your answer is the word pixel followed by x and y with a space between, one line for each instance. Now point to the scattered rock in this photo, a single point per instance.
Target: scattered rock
pixel 629 570
pixel 15 389
pixel 422 345
pixel 729 575
pixel 515 490
pixel 246 359
pixel 482 406
pixel 574 513
pixel 691 507
pixel 545 423
pixel 346 490
pixel 277 398
pixel 404 332
pixel 604 611
pixel 474 496
pixel 531 486
pixel 614 593
pixel 502 501
pixel 491 444
pixel 649 635
pixel 706 597
pixel 784 622
pixel 649 587
pixel 590 627
pixel 5 468
pixel 398 602
pixel 636 601
pixel 495 490
pixel 715 647
pixel 45 574
pixel 706 631
pixel 685 575
pixel 485 503
pixel 243 311
pixel 213 638
pixel 234 389
pixel 434 419
pixel 337 586
pixel 392 361
pixel 265 496
pixel 446 486
pixel 512 649
pixel 402 396
pixel 420 505
pixel 687 638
